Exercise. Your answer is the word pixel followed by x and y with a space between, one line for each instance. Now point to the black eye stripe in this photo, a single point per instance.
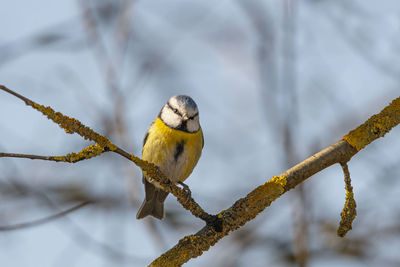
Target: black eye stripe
pixel 174 109
pixel 194 116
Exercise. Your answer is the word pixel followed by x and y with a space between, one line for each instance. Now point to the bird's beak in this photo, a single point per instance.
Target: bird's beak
pixel 185 117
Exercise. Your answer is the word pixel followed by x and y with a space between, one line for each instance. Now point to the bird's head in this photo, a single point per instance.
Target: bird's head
pixel 181 113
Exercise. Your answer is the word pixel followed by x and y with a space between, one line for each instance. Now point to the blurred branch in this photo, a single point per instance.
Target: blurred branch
pixel 111 70
pixel 74 231
pixel 94 39
pixel 266 55
pixel 289 126
pixel 61 37
pixel 360 41
pixel 122 31
pixel 43 220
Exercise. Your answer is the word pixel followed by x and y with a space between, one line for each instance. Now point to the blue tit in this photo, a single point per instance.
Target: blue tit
pixel 173 143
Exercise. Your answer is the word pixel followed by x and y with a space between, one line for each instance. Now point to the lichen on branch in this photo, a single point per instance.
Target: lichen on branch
pixel 376 126
pixel 86 153
pixel 249 207
pixel 158 178
pixel 349 211
pixel 71 125
pixel 243 210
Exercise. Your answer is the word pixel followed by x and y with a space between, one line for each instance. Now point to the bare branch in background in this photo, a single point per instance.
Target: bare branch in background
pixel 266 56
pixel 289 124
pixel 358 38
pixel 102 55
pixel 58 37
pixel 48 219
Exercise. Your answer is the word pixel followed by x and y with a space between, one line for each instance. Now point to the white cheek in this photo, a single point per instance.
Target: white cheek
pixel 193 125
pixel 170 118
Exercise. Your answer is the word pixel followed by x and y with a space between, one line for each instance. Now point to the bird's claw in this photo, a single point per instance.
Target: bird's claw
pixel 186 190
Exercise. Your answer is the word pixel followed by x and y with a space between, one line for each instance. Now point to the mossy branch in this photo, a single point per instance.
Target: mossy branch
pixel 247 208
pixel 86 153
pixel 376 126
pixel 349 210
pixel 71 125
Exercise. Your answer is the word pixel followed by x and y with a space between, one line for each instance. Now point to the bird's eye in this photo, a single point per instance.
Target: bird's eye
pixel 175 110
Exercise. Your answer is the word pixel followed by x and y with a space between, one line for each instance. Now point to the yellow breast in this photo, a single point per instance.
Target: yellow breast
pixel 175 152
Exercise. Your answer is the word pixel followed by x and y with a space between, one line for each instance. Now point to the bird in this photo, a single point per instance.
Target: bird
pixel 173 142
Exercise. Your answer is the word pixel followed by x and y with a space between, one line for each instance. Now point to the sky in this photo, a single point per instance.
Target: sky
pixel 234 60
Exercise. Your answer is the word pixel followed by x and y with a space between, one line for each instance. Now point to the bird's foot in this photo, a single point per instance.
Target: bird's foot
pixel 186 190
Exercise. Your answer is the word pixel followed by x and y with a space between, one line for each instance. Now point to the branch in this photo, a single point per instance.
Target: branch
pixel 26 100
pixel 249 207
pixel 349 210
pixel 86 153
pixel 71 125
pixel 43 220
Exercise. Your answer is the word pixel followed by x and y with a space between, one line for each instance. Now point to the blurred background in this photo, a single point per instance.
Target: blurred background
pixel 275 82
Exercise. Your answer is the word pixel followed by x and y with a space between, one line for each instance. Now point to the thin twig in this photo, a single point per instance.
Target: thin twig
pixel 86 153
pixel 26 156
pixel 347 178
pixel 349 211
pixel 29 156
pixel 26 100
pixel 43 220
pixel 79 235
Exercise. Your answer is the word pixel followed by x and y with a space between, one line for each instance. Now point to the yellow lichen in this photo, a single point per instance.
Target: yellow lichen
pixel 241 212
pixel 281 180
pixel 188 247
pixel 152 172
pixel 193 238
pixel 59 158
pixel 245 209
pixel 348 215
pixel 377 126
pixel 86 153
pixel 155 176
pixel 71 125
pixel 255 202
pixel 349 211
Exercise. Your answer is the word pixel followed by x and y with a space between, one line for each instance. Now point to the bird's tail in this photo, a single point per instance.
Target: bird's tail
pixel 153 203
pixel 152 207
